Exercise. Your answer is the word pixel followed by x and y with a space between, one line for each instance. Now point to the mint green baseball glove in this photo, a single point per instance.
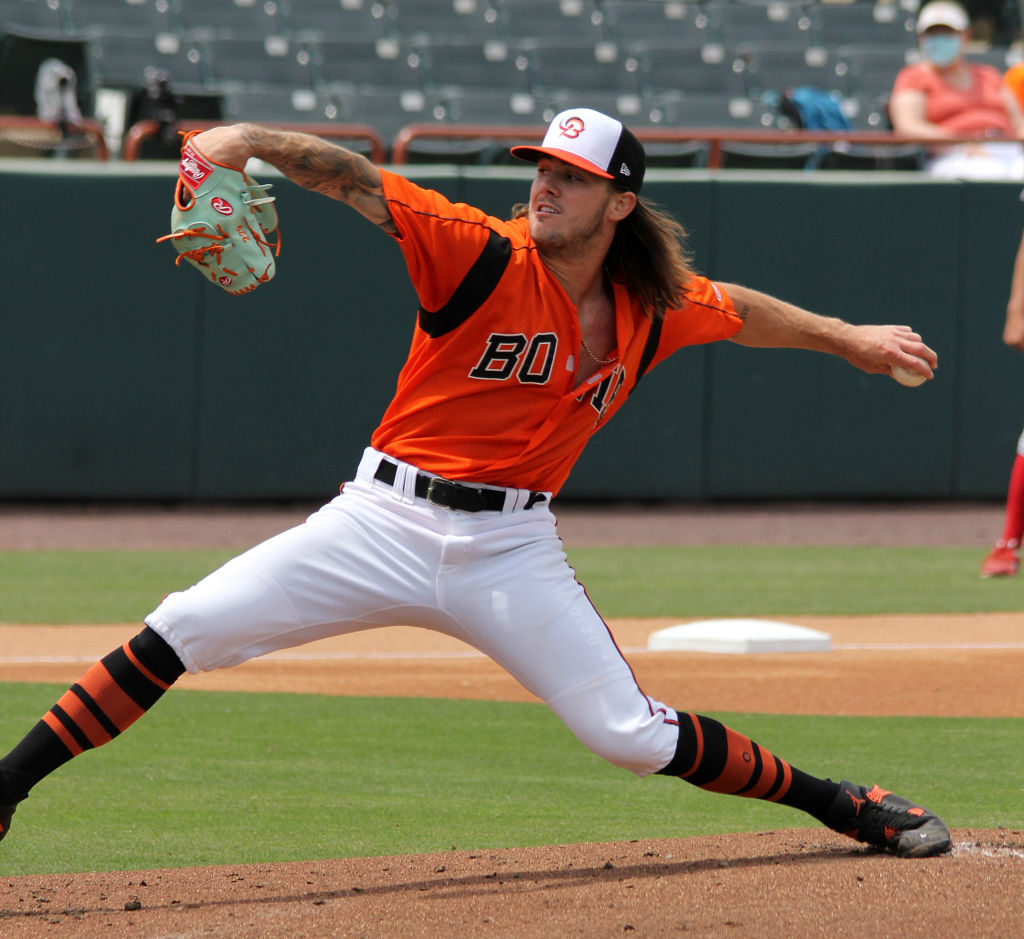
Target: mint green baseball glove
pixel 220 222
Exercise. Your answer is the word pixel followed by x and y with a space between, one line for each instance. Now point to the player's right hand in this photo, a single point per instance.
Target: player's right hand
pixel 226 145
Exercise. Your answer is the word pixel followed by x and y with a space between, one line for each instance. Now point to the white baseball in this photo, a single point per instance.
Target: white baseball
pixel 906 377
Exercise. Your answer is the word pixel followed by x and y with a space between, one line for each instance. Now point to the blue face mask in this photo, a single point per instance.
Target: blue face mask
pixel 941 50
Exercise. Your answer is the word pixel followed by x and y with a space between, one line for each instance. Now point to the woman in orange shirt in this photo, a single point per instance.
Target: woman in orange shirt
pixel 944 97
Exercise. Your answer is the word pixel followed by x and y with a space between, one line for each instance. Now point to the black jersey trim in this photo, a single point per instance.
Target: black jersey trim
pixel 650 349
pixel 478 284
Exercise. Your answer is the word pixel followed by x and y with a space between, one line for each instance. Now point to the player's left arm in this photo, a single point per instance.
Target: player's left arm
pixel 770 323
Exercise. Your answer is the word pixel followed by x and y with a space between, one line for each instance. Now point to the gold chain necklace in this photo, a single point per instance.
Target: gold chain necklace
pixel 586 349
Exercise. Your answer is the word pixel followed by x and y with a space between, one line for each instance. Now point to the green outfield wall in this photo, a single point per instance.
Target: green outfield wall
pixel 123 377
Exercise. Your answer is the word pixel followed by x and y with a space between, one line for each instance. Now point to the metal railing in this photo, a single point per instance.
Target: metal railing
pixel 716 138
pixel 31 133
pixel 139 133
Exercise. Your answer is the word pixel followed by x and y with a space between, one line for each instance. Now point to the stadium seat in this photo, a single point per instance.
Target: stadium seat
pixel 867 112
pixel 580 66
pixel 629 21
pixel 732 23
pixel 698 68
pixel 467 64
pixel 773 67
pixel 698 111
pixel 279 105
pixel 387 110
pixel 724 112
pixel 871 114
pixel 386 63
pixel 230 17
pixel 271 62
pixel 713 111
pixel 449 19
pixel 34 19
pixel 872 158
pixel 865 22
pixel 869 70
pixel 489 106
pixel 571 20
pixel 453 113
pixel 136 17
pixel 126 61
pixel 999 58
pixel 630 108
pixel 337 18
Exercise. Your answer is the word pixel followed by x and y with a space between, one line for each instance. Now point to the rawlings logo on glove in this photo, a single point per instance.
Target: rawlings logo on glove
pixel 220 222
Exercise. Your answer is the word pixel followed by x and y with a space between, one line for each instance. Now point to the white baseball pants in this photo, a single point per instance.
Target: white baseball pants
pixel 377 556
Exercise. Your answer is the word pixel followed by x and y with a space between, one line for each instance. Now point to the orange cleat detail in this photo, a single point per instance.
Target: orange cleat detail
pixel 877 794
pixel 885 821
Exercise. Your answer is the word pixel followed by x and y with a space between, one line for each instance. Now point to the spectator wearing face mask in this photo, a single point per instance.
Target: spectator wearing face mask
pixel 944 96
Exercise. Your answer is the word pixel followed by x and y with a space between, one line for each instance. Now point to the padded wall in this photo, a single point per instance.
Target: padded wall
pixel 124 377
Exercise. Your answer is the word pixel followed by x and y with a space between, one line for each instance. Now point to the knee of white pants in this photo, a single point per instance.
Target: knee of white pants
pixel 643 742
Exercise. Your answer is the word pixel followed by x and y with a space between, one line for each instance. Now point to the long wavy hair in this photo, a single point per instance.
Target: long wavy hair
pixel 647 254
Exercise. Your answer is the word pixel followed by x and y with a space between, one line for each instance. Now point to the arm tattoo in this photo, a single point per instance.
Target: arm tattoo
pixel 744 311
pixel 322 167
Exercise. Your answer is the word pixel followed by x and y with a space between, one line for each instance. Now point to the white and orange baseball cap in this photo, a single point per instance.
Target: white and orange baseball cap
pixel 593 142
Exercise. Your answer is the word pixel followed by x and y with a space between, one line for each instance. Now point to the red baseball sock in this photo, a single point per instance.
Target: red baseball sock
pixel 1013 525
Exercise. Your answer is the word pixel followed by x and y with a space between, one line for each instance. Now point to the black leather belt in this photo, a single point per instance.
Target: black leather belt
pixel 452 495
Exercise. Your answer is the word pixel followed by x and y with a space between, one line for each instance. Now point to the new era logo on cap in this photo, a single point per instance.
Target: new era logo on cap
pixel 594 142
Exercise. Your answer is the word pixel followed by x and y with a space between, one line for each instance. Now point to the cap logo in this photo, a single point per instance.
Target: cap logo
pixel 624 170
pixel 571 128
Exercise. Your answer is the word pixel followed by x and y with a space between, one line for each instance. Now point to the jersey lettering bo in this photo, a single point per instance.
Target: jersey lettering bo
pixel 488 393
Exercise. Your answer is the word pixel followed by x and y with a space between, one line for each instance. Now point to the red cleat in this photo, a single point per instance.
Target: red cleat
pixel 1002 561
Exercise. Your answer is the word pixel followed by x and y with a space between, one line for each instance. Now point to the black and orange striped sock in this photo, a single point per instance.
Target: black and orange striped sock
pixel 715 757
pixel 105 701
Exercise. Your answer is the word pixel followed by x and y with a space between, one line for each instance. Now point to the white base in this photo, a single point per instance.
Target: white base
pixel 738 636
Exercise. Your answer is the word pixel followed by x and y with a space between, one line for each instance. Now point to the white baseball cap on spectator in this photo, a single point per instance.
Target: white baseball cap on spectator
pixel 942 13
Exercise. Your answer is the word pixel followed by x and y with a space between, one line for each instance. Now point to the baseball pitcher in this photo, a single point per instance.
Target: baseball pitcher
pixel 530 334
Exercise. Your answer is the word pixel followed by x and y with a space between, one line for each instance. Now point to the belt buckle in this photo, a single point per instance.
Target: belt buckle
pixel 437 490
pixel 452 495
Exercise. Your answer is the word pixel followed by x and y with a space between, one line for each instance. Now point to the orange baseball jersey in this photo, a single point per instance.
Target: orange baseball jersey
pixel 488 393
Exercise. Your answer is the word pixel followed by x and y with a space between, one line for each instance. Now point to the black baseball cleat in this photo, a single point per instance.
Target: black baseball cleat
pixel 6 811
pixel 889 822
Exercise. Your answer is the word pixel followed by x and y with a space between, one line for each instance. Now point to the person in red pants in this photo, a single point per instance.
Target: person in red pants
pixel 1004 558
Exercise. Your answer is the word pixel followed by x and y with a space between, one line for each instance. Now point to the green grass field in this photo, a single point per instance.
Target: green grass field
pixel 209 778
pixel 720 580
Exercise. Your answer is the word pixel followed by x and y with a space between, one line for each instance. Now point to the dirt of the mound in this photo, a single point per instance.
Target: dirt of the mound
pixel 806 882
pixel 780 883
